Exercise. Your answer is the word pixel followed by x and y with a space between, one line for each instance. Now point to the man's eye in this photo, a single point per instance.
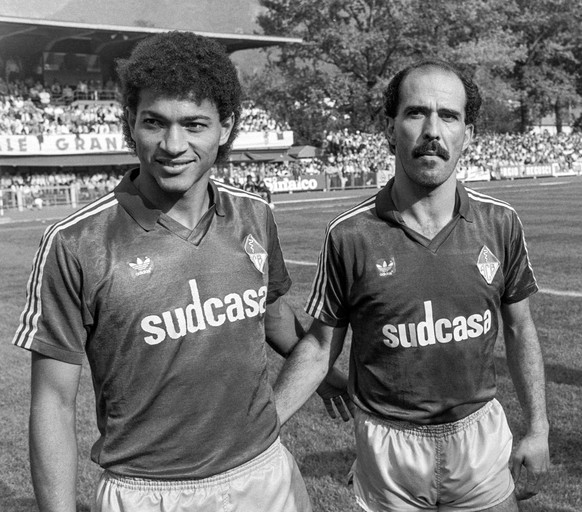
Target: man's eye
pixel 195 127
pixel 447 116
pixel 415 114
pixel 150 121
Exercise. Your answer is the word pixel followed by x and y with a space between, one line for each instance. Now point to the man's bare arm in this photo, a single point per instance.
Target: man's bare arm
pixel 283 331
pixel 53 442
pixel 307 366
pixel 524 358
pixel 282 327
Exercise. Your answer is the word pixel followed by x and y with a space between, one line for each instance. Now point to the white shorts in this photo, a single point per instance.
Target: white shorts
pixel 450 467
pixel 270 482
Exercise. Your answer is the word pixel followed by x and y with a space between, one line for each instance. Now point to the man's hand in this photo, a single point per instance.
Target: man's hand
pixel 533 454
pixel 334 392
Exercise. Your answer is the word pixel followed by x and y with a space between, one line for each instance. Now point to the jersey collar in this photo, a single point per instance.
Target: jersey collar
pixel 386 209
pixel 464 203
pixel 141 210
pixel 215 198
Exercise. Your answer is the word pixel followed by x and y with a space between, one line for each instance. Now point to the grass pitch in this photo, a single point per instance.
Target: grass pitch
pixel 551 213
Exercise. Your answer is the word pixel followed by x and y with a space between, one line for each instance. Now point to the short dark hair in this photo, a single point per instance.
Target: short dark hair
pixel 186 66
pixel 473 97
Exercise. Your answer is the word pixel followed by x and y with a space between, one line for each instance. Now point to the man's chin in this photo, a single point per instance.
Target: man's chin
pixel 173 186
pixel 430 178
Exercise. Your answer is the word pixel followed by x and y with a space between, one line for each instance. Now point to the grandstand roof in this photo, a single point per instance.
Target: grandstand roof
pixel 28 36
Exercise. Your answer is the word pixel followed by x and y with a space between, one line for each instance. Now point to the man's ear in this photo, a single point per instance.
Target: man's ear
pixel 390 135
pixel 469 134
pixel 227 126
pixel 390 131
pixel 130 116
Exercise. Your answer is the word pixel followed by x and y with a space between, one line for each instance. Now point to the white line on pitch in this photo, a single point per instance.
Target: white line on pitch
pixel 304 263
pixel 318 199
pixel 563 293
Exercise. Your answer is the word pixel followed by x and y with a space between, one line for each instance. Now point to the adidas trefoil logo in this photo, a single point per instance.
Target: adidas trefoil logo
pixel 142 267
pixel 386 268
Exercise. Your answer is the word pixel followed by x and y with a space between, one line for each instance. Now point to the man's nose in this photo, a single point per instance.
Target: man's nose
pixel 174 141
pixel 431 127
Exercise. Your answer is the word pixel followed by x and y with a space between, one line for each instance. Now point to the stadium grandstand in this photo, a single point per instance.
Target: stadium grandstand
pixel 59 110
pixel 61 140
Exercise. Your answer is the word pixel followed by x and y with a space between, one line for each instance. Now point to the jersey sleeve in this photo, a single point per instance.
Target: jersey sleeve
pixel 520 281
pixel 327 300
pixel 279 278
pixel 53 322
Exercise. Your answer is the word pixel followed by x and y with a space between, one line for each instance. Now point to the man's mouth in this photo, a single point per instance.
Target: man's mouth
pixel 431 148
pixel 174 163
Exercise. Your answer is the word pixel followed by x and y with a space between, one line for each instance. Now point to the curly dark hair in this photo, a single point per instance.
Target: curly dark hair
pixel 392 92
pixel 186 66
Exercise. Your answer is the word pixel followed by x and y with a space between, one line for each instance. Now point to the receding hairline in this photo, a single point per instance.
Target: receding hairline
pixel 433 67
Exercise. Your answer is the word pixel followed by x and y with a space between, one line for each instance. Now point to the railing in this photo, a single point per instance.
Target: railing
pixel 95 95
pixel 27 198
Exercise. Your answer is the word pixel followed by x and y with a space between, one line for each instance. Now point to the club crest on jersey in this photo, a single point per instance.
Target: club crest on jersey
pixel 487 264
pixel 142 267
pixel 386 268
pixel 256 253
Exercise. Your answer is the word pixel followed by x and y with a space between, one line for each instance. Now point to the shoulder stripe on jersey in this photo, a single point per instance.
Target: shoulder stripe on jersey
pixel 33 308
pixel 483 198
pixel 477 196
pixel 317 295
pixel 238 192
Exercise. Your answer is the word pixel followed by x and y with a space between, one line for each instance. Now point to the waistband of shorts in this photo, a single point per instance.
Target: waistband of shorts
pixel 437 430
pixel 146 484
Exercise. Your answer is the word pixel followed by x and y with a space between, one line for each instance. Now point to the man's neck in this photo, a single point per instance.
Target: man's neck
pixel 187 209
pixel 425 211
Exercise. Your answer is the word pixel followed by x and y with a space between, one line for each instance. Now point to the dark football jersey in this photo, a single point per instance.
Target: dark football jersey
pixel 172 323
pixel 424 313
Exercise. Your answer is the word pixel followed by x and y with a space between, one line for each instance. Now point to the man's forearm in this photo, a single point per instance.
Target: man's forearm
pixel 283 330
pixel 301 374
pixel 53 458
pixel 525 362
pixel 524 358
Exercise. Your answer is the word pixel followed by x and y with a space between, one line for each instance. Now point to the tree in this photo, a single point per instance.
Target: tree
pixel 479 39
pixel 301 103
pixel 353 47
pixel 349 51
pixel 547 75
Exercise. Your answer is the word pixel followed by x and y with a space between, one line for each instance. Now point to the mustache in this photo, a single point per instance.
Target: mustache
pixel 431 147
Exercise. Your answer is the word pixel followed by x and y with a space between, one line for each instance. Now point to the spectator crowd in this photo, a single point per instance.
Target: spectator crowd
pixel 489 150
pixel 256 119
pixel 350 158
pixel 34 109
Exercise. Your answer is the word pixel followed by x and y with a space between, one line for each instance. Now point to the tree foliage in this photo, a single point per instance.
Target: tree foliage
pixel 547 75
pixel 521 52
